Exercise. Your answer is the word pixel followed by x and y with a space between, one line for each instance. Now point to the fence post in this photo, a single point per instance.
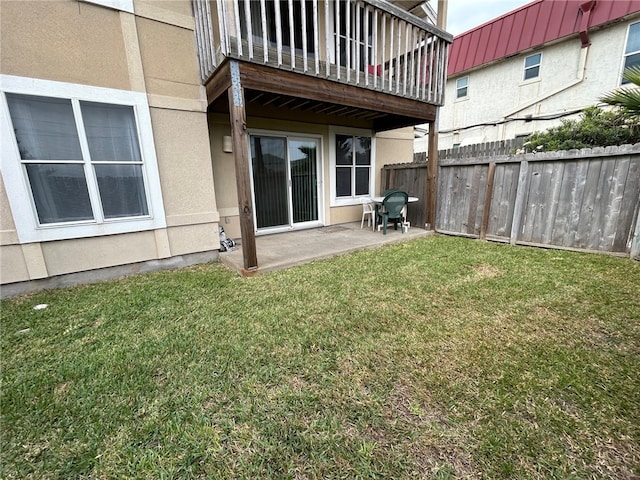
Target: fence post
pixel 519 205
pixel 488 195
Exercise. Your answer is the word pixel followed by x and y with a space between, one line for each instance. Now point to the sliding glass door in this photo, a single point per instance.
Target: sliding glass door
pixel 285 177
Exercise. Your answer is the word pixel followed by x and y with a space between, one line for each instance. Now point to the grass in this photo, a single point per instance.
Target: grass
pixel 439 358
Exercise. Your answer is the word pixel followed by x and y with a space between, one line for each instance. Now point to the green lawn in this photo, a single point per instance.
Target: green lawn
pixel 437 358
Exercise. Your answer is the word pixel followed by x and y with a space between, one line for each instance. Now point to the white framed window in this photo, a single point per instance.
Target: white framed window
pixel 352 160
pixel 532 66
pixel 632 49
pixel 462 87
pixel 78 161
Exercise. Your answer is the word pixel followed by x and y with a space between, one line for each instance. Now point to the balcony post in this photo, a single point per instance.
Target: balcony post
pixel 238 117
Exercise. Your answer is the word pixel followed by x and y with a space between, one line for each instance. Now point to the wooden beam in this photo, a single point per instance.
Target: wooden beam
pixel 488 196
pixel 432 175
pixel 261 78
pixel 219 83
pixel 392 122
pixel 238 119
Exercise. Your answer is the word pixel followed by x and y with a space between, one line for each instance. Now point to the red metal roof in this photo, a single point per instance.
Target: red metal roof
pixel 533 25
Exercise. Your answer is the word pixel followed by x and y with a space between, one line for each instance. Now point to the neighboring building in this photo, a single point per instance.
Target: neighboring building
pixel 528 69
pixel 132 128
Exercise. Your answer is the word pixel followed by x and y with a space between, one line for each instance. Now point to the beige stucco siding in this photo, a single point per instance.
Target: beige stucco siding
pixel 63 40
pixel 185 166
pixel 152 52
pixel 169 59
pixel 394 146
pixel 172 9
pixel 193 238
pixel 8 234
pixel 13 267
pixel 99 252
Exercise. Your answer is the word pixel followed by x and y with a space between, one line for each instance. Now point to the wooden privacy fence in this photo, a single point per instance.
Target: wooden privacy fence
pixel 579 199
pixel 487 149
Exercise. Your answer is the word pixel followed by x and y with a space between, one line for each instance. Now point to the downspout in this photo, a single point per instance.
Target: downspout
pixel 586 9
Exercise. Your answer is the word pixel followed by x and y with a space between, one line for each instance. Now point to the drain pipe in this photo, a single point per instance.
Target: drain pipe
pixel 580 76
pixel 586 9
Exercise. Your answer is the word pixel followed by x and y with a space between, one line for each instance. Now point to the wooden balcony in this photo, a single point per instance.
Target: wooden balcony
pixel 369 45
pixel 356 63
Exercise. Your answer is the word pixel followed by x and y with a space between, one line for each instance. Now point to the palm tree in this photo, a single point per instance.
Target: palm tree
pixel 627 98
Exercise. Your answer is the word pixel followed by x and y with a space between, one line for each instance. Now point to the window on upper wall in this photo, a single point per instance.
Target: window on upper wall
pixel 462 87
pixel 352 173
pixel 632 50
pixel 80 166
pixel 532 66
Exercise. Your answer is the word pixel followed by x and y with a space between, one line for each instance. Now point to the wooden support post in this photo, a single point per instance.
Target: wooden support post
pixel 432 175
pixel 443 6
pixel 238 117
pixel 488 195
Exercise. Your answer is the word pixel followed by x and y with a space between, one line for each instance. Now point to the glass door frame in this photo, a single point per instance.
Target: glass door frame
pixel 288 136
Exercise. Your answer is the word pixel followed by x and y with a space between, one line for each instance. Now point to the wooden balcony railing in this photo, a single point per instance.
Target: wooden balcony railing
pixel 369 43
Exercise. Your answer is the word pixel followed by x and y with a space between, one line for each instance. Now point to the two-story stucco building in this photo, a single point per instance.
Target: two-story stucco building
pixel 528 69
pixel 131 129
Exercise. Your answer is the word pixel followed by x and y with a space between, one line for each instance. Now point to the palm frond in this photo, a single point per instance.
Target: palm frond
pixel 626 97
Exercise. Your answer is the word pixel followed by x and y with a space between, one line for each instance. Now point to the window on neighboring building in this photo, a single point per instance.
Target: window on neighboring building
pixel 532 66
pixel 351 165
pixel 632 50
pixel 462 87
pixel 79 167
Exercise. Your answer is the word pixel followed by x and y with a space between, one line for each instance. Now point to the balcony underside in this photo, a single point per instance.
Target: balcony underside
pixel 278 93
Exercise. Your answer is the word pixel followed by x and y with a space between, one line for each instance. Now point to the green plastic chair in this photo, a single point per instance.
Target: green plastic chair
pixel 392 208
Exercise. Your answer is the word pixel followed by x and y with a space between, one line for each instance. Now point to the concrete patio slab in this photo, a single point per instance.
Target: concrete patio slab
pixel 284 250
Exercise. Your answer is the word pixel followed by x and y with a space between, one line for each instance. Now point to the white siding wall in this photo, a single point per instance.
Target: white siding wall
pixel 497 91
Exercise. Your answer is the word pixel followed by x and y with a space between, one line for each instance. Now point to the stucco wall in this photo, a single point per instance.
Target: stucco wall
pixel 63 40
pixel 151 52
pixel 571 78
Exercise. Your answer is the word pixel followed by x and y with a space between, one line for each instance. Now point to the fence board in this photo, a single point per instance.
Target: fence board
pixel 475 197
pixel 598 211
pixel 505 191
pixel 554 181
pixel 566 204
pixel 614 202
pixel 628 208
